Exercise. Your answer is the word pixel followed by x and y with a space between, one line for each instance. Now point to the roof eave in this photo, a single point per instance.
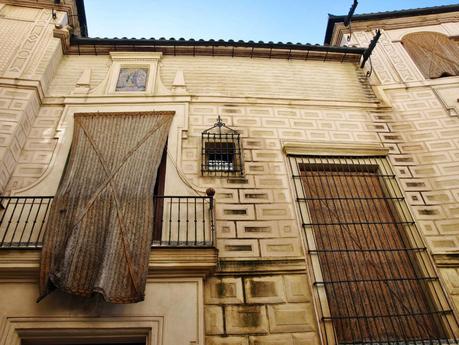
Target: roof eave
pixel 211 43
pixel 332 20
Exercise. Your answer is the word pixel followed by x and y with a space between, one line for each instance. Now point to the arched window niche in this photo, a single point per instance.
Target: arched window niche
pixel 435 54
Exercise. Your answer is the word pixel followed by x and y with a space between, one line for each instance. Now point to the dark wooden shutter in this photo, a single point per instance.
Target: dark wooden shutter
pixel 435 54
pixel 159 202
pixel 374 287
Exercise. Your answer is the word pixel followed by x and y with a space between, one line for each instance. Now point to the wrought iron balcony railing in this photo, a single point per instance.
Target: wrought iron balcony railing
pixel 179 221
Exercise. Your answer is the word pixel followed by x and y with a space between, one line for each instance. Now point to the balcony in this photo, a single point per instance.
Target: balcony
pixel 183 235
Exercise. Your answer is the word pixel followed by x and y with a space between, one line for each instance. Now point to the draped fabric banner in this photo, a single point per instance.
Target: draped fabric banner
pixel 99 229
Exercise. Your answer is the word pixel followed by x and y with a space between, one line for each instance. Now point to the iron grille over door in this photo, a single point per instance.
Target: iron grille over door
pixel 221 151
pixel 375 281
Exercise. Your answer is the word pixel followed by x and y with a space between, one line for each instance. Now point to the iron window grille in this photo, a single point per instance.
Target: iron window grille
pixel 221 153
pixel 374 281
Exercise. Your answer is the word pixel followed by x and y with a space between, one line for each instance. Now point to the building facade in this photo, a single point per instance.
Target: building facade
pixel 300 198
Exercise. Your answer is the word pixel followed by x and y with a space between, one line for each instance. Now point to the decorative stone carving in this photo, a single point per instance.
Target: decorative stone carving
pixel 401 63
pixel 83 84
pixel 28 46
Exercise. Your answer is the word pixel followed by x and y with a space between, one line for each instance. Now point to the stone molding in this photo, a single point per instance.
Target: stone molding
pixel 261 266
pixel 24 264
pixel 334 149
pixel 446 260
pixel 51 329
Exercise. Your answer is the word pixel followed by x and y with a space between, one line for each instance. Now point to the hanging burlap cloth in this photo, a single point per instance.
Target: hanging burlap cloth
pixel 99 228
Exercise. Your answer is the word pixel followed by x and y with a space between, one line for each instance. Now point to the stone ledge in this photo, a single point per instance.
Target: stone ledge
pixel 24 264
pixel 261 266
pixel 446 260
pixel 334 149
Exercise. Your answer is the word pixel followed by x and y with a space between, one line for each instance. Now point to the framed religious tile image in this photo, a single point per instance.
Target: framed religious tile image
pixel 132 79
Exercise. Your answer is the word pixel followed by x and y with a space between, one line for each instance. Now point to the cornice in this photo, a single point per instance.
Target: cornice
pixel 261 266
pixel 339 30
pixel 26 84
pixel 448 260
pixel 334 149
pixel 290 51
pixel 24 264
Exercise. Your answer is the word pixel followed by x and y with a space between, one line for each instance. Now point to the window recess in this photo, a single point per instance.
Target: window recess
pixel 221 151
pixel 435 54
pixel 374 280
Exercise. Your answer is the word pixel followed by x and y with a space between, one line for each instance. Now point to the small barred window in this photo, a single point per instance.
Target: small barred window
pixel 221 151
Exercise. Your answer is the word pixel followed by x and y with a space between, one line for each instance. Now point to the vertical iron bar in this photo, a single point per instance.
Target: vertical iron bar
pixel 17 223
pixel 195 223
pixel 178 223
pixel 1 220
pixel 170 219
pixel 203 220
pixel 26 219
pixel 34 223
pixel 44 221
pixel 187 220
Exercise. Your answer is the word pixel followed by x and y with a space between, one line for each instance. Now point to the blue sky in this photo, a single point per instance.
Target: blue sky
pixel 266 20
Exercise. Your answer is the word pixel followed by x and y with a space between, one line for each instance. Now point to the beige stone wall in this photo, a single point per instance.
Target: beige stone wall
pixel 422 133
pixel 28 58
pixel 424 142
pixel 267 296
pixel 18 110
pixel 256 214
pixel 29 50
pixel 275 78
pixel 66 317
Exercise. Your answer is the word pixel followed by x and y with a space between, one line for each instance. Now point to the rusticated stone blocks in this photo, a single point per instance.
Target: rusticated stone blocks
pixel 246 319
pixel 227 341
pixel 271 309
pixel 297 317
pixel 224 291
pixel 264 290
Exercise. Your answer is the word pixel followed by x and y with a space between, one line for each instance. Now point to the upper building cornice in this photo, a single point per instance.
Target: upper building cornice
pixel 292 51
pixel 391 19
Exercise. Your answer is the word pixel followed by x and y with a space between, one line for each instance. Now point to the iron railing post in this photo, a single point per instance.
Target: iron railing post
pixel 210 193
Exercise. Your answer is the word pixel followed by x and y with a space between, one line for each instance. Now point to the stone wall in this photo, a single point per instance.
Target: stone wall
pixel 28 58
pixel 18 114
pixel 261 294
